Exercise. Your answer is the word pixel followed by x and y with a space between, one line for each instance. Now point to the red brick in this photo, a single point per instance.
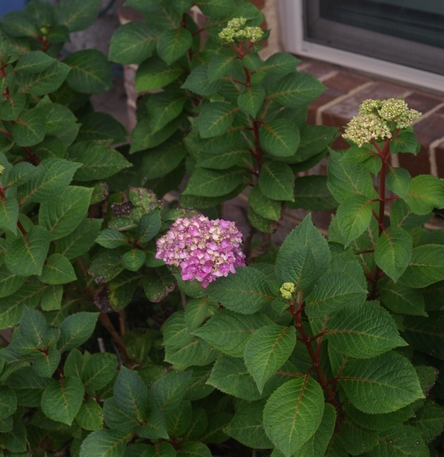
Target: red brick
pixel 422 102
pixel 439 158
pixel 416 165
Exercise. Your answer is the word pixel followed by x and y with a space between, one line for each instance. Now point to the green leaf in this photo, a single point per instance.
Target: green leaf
pixel 154 73
pixel 267 350
pixel 163 107
pixel 109 443
pixel 90 415
pixel 425 334
pixel 111 239
pixel 8 402
pixel 354 216
pixel 295 89
pixel 34 62
pixel 98 370
pixel 61 400
pixel 293 413
pixel 76 329
pixel 251 101
pixel 382 384
pixel 9 212
pixel 168 391
pixel 194 449
pixel 215 118
pixel 294 264
pixel 118 419
pixel 133 260
pixel 198 82
pixel 131 394
pixel 80 240
pixel 11 107
pixel 214 183
pixel 405 142
pixel 347 180
pixel 98 160
pixel 429 420
pixel 332 292
pixel 16 440
pixel 398 181
pixel 90 71
pixel 425 266
pixel 247 427
pixel 401 215
pixel 401 299
pixel 173 44
pixel 46 363
pixel 33 325
pixel 311 193
pixel 132 43
pixel 229 332
pixel 276 181
pixel 280 63
pixel 263 206
pixel 78 16
pixel 402 441
pixel 318 443
pixel 154 428
pixel 393 251
pixel 102 126
pixel 425 193
pixel 43 82
pixel 29 128
pixel 149 227
pixel 26 254
pixel 57 270
pixel 280 137
pixel 219 66
pixel 18 24
pixel 244 292
pixel 363 331
pixel 62 214
pixel 161 449
pixel 54 176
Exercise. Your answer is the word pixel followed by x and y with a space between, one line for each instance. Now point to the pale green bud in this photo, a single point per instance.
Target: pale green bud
pixel 287 290
pixel 2 169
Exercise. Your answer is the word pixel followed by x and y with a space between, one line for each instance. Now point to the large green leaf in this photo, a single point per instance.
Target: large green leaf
pixel 294 263
pixel 295 89
pixel 154 74
pixel 401 299
pixel 101 126
pixel 219 66
pixel 79 15
pixel 280 137
pixel 76 329
pixel 90 71
pixel 347 180
pixel 168 391
pixel 98 370
pixel 425 266
pixel 198 82
pixel 98 160
pixel 311 193
pixel 276 181
pixel 90 415
pixel 45 81
pixel 61 400
pixel 398 181
pixel 53 176
pixel 354 216
pixel 213 183
pixel 363 331
pixel 173 44
pixel 215 119
pixel 244 292
pixel 229 332
pixel 393 251
pixel 426 334
pixel 425 193
pixel 314 140
pixel 29 128
pixel 267 350
pixel 117 418
pixel 382 384
pixel 247 427
pixel 293 413
pixel 8 402
pixel 163 107
pixel 132 43
pixel 101 443
pixel 18 24
pixel 62 214
pixel 332 292
pixel 280 63
pixel 263 206
pixel 11 107
pixel 251 101
pixel 429 420
pixel 34 62
pixel 57 270
pixel 26 254
pixel 131 394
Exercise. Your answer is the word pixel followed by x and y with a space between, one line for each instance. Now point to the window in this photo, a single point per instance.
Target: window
pixel 401 39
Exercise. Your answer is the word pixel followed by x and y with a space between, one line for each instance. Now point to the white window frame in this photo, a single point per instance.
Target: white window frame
pixel 292 36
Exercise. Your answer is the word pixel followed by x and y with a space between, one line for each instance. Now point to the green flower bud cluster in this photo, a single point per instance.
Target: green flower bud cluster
pixel 237 31
pixel 287 290
pixel 2 169
pixel 374 117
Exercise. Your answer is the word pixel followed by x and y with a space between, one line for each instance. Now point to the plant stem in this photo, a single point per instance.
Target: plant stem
pixel 106 322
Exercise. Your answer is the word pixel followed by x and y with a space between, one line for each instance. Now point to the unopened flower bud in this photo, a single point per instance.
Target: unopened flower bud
pixel 287 290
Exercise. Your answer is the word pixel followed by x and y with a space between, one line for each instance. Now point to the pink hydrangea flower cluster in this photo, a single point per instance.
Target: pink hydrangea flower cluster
pixel 204 249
